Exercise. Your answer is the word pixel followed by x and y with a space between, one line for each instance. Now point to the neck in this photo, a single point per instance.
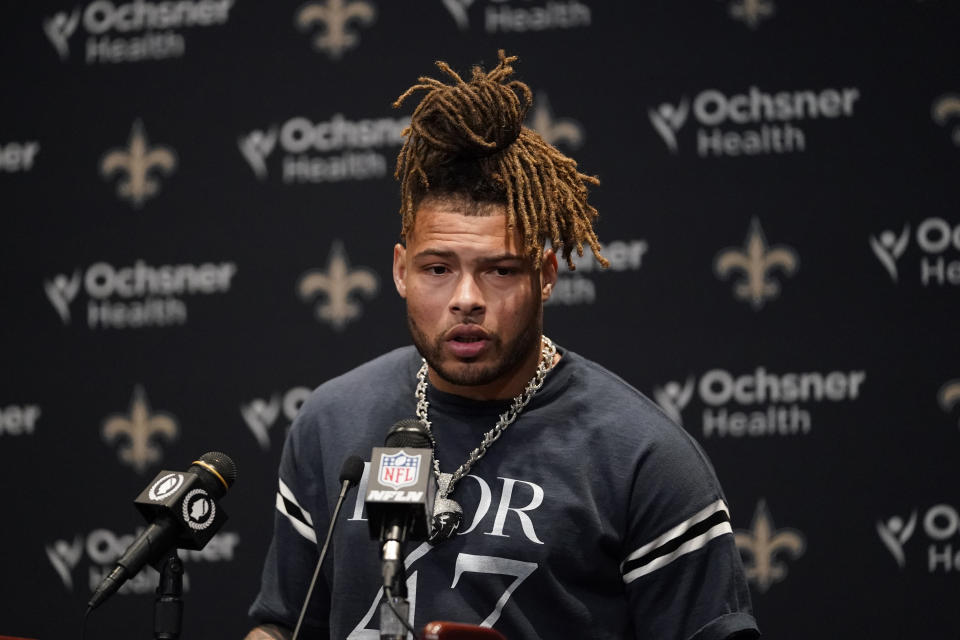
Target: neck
pixel 504 388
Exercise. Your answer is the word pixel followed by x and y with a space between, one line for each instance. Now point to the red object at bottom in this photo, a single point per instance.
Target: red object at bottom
pixel 457 631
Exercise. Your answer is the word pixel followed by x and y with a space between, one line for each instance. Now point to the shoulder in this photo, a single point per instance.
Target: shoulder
pixel 377 382
pixel 349 414
pixel 606 393
pixel 390 367
pixel 634 431
pixel 361 395
pixel 600 379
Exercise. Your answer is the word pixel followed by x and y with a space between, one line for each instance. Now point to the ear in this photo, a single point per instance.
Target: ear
pixel 548 274
pixel 400 269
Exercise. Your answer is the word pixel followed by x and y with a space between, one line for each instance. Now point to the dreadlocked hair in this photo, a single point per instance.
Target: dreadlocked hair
pixel 467 140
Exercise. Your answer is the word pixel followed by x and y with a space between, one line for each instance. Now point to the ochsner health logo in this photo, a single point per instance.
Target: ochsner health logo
pixel 138 295
pixel 133 31
pixel 759 403
pixel 579 287
pixel 19 419
pixel 751 123
pixel 98 551
pixel 938 242
pixel 512 16
pixel 332 150
pixel 263 414
pixel 938 529
pixel 18 156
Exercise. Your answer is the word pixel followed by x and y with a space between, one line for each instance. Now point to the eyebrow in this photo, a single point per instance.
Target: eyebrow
pixel 503 257
pixel 439 253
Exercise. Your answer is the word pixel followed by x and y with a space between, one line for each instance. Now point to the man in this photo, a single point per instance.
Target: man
pixel 585 512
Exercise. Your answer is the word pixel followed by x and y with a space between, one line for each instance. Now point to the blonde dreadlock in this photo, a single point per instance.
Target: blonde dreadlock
pixel 468 138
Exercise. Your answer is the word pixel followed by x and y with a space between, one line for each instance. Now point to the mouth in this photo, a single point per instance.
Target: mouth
pixel 467 333
pixel 467 341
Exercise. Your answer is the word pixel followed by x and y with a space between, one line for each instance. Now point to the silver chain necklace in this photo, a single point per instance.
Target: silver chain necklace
pixel 447 513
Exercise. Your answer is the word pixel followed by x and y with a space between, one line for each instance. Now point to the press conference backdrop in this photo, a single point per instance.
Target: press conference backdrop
pixel 199 213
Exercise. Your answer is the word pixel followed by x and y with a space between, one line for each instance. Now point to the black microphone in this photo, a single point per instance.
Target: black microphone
pixel 350 474
pixel 181 507
pixel 400 492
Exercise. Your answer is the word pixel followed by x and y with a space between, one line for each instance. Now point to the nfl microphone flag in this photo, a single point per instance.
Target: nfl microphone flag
pixel 401 481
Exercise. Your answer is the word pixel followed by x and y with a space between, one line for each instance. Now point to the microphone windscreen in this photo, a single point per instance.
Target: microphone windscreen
pixel 408 433
pixel 352 470
pixel 217 472
pixel 223 464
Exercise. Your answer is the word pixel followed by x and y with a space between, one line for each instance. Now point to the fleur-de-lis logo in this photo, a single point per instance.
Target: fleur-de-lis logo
pixel 756 261
pixel 338 282
pixel 554 131
pixel 944 108
pixel 949 396
pixel 139 430
pixel 763 544
pixel 137 161
pixel 751 12
pixel 335 15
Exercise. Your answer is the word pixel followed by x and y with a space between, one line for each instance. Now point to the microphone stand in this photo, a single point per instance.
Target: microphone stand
pixel 394 610
pixel 168 605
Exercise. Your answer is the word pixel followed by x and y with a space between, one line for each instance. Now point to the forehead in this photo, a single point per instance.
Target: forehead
pixel 444 225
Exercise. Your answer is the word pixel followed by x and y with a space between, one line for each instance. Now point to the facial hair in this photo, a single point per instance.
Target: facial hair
pixel 512 355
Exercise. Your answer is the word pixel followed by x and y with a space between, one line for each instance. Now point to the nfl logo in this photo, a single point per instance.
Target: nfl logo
pixel 399 470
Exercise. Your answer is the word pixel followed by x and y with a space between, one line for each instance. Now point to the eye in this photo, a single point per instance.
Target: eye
pixel 436 269
pixel 505 271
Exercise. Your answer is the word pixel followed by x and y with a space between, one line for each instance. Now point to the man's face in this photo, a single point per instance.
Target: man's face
pixel 474 301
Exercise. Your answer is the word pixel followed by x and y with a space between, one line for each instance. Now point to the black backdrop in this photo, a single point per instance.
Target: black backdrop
pixel 779 200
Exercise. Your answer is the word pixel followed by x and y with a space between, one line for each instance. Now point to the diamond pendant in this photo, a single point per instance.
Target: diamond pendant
pixel 447 517
pixel 447 514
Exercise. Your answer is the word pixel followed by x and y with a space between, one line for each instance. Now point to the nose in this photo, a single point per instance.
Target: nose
pixel 467 297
